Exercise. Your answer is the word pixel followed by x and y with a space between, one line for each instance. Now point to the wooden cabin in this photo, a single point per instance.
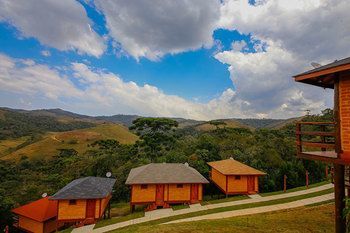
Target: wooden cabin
pixel 330 143
pixel 38 216
pixel 159 185
pixel 83 201
pixel 233 177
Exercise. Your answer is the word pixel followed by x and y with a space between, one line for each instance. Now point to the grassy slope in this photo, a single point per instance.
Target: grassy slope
pixel 230 123
pixel 76 139
pixel 304 219
pixel 7 145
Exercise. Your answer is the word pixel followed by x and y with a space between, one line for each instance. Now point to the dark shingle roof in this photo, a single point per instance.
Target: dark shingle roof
pixel 165 173
pixel 86 188
pixel 330 65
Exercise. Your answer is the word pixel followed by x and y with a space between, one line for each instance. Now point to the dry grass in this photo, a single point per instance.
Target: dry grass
pixel 76 139
pixel 7 145
pixel 229 124
pixel 304 219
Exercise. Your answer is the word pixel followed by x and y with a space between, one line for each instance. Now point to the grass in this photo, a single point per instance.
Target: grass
pixel 216 201
pixel 6 146
pixel 304 219
pixel 295 189
pixel 180 207
pixel 107 222
pixel 51 142
pixel 237 207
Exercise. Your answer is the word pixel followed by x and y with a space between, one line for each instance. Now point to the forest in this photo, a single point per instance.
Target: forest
pixel 160 140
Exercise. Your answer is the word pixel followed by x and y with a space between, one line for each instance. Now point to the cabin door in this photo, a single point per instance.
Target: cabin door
pixel 194 193
pixel 90 208
pixel 160 194
pixel 251 184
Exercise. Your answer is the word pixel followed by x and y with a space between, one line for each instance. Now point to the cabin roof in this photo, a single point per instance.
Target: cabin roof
pixel 165 173
pixel 86 188
pixel 233 167
pixel 39 210
pixel 324 76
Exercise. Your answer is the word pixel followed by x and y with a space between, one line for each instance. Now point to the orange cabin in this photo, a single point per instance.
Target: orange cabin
pixel 233 177
pixel 162 184
pixel 83 201
pixel 37 217
pixel 331 142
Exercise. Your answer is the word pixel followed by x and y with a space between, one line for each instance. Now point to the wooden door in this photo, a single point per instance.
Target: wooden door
pixel 194 193
pixel 90 208
pixel 251 184
pixel 160 194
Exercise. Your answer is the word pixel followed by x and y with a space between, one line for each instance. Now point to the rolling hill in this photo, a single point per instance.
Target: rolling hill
pixel 49 144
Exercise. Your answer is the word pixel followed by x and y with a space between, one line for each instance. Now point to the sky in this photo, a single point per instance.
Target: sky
pixel 196 59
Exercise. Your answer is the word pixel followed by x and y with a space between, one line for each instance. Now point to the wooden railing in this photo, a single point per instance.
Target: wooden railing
pixel 319 135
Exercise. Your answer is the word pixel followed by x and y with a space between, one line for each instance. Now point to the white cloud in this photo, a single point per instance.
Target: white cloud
pixel 287 37
pixel 97 92
pixel 62 24
pixel 152 29
pixel 46 53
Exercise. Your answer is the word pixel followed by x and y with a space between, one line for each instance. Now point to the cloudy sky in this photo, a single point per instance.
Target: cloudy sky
pixel 199 59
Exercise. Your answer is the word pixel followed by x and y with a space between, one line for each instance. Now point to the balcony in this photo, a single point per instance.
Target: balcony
pixel 316 141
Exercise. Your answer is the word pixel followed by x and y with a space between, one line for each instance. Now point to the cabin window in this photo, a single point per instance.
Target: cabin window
pixel 144 186
pixel 179 186
pixel 237 177
pixel 72 202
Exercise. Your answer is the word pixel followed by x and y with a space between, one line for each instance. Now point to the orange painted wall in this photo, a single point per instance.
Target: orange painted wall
pixel 344 104
pixel 66 211
pixel 179 194
pixel 143 195
pixel 50 226
pixel 97 208
pixel 218 178
pixel 237 185
pixel 30 225
pixel 200 192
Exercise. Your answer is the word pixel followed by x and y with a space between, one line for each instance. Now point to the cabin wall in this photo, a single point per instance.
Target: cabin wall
pixel 257 184
pixel 104 203
pixel 50 226
pixel 30 224
pixel 200 192
pixel 97 208
pixel 179 194
pixel 237 186
pixel 143 195
pixel 71 212
pixel 218 178
pixel 344 107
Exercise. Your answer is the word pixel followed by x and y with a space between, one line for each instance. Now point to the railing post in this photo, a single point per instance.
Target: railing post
pixel 323 138
pixel 298 134
pixel 284 183
pixel 307 179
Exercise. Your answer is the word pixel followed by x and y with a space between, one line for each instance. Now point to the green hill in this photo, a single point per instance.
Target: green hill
pixel 49 144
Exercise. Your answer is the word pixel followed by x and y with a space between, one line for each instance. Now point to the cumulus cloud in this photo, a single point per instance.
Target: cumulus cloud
pixel 92 91
pixel 287 37
pixel 62 24
pixel 153 29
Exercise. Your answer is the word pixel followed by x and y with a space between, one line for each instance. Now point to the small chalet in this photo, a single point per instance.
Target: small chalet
pixel 233 177
pixel 83 201
pixel 38 216
pixel 162 184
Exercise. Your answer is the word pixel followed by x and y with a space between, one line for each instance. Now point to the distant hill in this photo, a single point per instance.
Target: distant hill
pixel 266 123
pixel 230 123
pixel 49 144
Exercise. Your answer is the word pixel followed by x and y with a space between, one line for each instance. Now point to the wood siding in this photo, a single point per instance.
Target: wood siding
pixel 219 179
pixel 179 194
pixel 30 225
pixel 143 195
pixel 237 186
pixel 200 192
pixel 50 226
pixel 66 211
pixel 344 102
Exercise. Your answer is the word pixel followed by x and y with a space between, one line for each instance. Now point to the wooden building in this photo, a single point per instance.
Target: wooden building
pixel 83 201
pixel 161 184
pixel 331 141
pixel 37 217
pixel 233 177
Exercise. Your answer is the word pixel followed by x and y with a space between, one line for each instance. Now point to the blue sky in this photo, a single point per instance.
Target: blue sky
pixel 193 59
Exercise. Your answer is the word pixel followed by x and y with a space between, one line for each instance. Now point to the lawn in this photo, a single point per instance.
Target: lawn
pixel 305 219
pixel 295 189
